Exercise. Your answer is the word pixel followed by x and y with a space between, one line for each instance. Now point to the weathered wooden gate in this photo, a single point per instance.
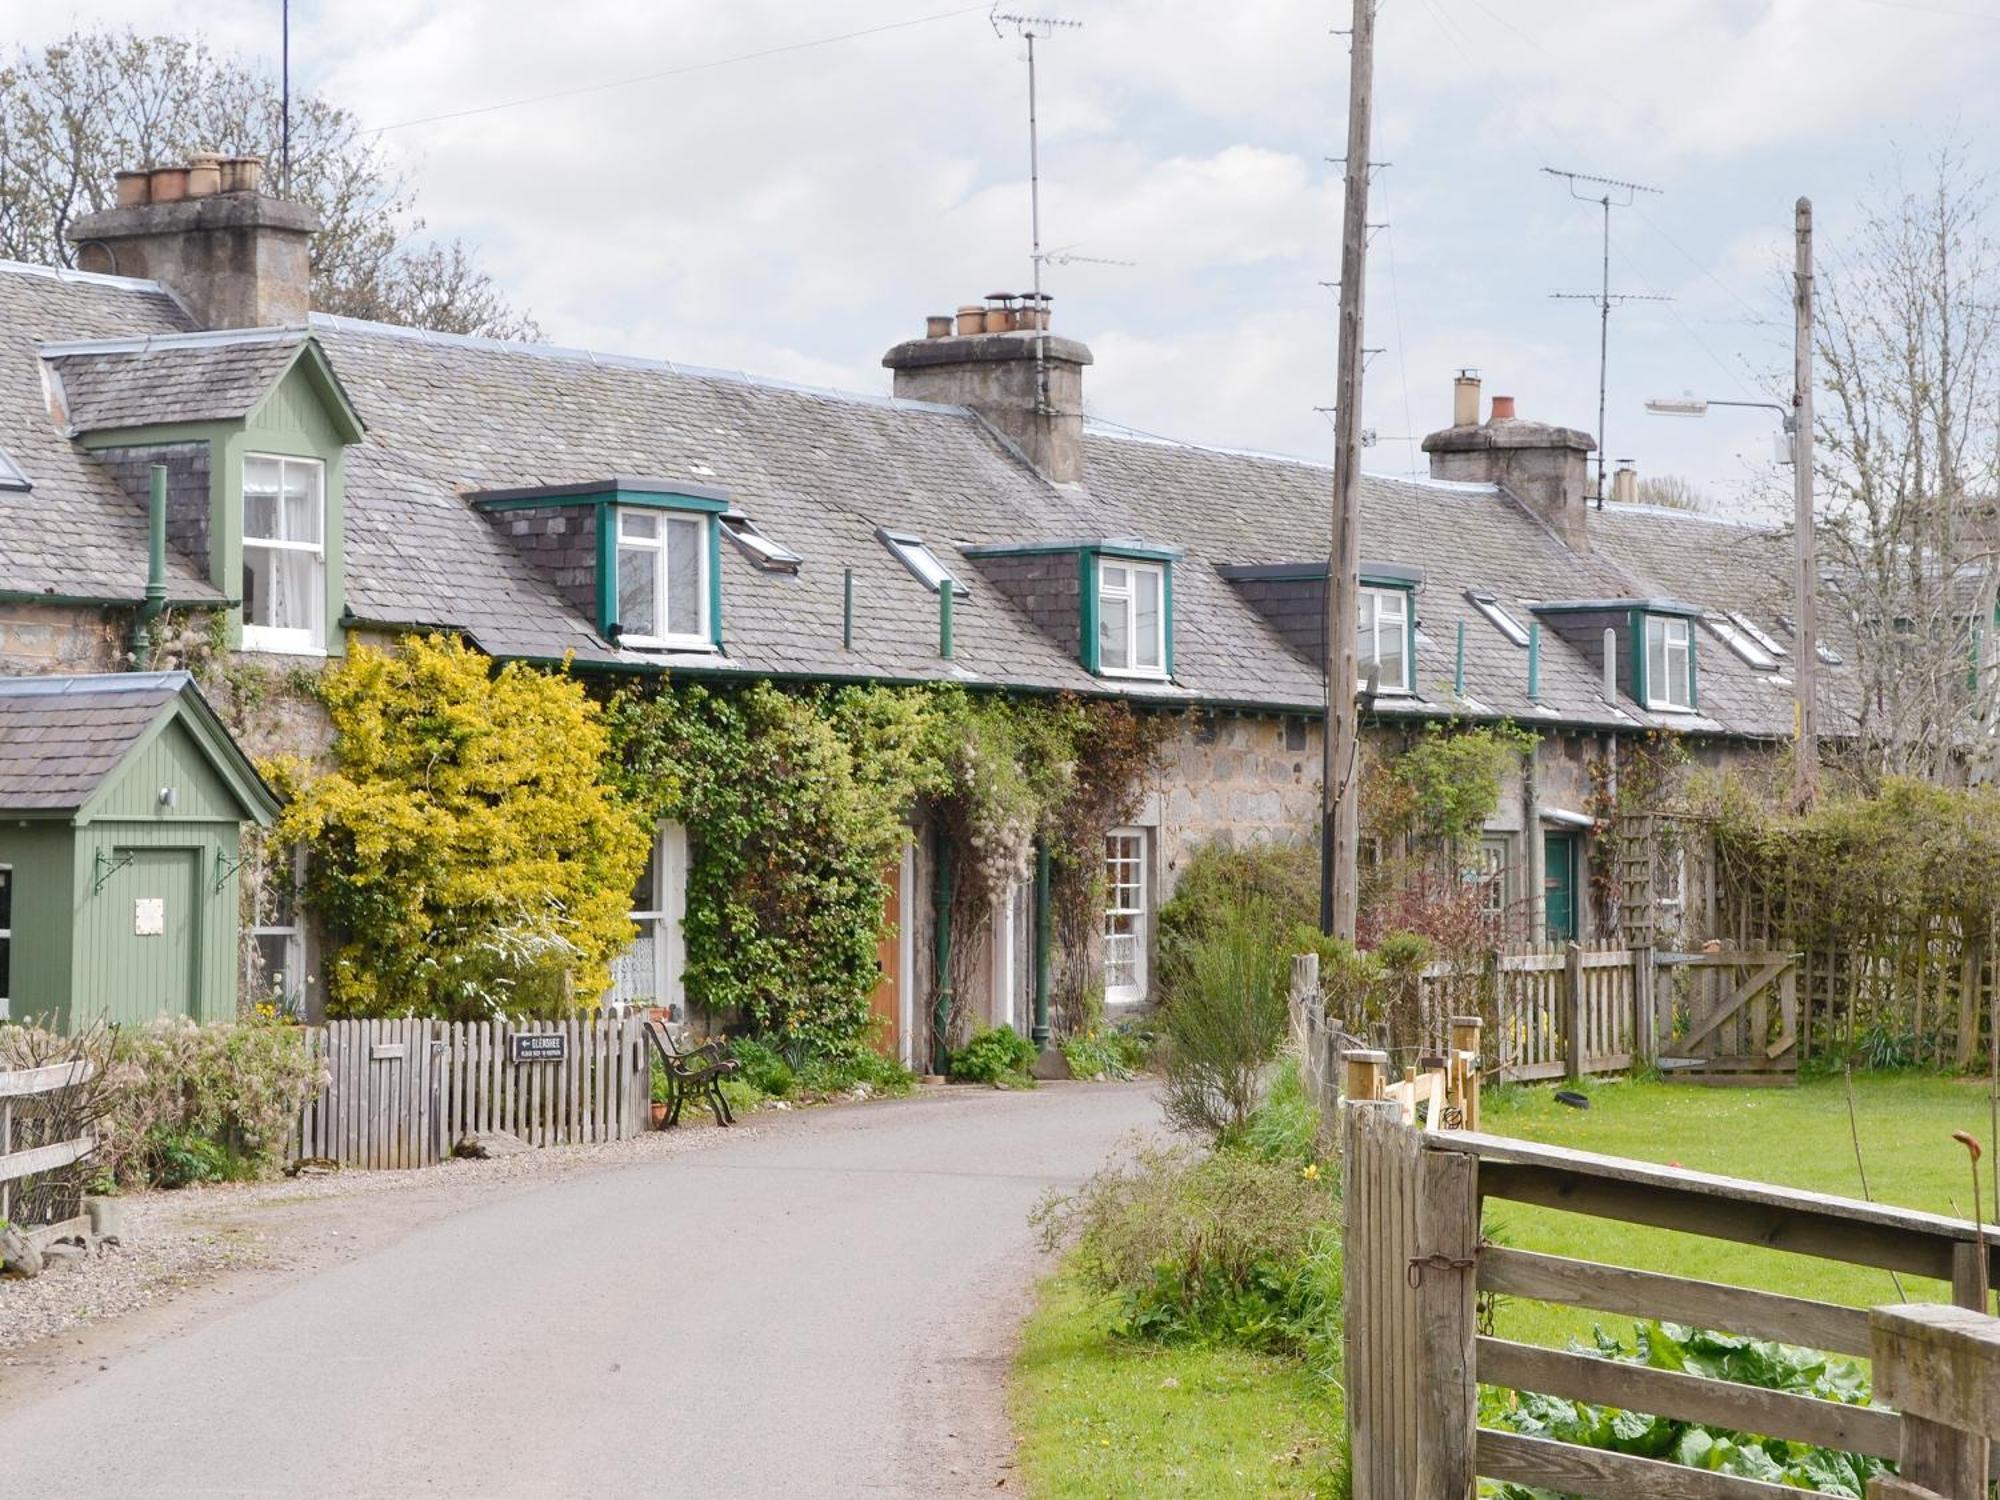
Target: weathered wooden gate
pixel 399 1093
pixel 1737 996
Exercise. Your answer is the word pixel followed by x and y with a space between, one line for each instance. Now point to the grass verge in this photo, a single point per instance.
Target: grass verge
pixel 1104 1417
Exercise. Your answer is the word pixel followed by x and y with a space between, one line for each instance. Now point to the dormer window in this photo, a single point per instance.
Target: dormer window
pixel 663 584
pixel 284 554
pixel 1131 618
pixel 1384 647
pixel 1669 664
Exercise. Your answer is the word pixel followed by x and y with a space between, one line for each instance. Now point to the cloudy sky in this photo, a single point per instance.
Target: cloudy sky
pixel 795 214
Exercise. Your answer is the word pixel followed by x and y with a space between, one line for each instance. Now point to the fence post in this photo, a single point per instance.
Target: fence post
pixel 1645 1040
pixel 1447 1324
pixel 1365 1074
pixel 1465 1035
pixel 1573 1013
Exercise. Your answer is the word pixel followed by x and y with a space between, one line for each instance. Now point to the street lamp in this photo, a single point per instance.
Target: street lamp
pixel 1697 406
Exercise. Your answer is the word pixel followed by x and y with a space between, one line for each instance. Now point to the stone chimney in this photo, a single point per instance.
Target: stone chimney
pixel 1540 464
pixel 237 258
pixel 1000 359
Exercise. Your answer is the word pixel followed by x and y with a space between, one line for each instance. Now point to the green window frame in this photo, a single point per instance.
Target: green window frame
pixel 1096 601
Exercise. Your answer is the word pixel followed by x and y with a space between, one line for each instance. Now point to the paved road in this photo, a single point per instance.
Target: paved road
pixel 824 1308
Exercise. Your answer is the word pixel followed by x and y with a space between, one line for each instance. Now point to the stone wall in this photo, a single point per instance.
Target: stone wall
pixel 51 639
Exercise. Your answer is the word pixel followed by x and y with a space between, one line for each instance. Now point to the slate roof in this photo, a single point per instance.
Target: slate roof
pixel 76 534
pixel 819 472
pixel 61 736
pixel 170 378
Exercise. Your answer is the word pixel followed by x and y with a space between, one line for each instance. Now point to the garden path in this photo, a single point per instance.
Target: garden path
pixel 825 1308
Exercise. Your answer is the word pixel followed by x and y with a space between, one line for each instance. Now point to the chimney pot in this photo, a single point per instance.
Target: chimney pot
pixel 204 174
pixel 972 317
pixel 938 327
pixel 1465 399
pixel 169 184
pixel 242 174
pixel 1625 483
pixel 1503 409
pixel 134 188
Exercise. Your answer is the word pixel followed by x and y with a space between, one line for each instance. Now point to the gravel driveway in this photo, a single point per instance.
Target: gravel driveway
pixel 820 1306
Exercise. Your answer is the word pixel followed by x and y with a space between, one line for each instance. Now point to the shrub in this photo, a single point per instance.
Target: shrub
pixel 467 848
pixel 865 1069
pixel 763 1069
pixel 1115 1053
pixel 1279 883
pixel 1225 1246
pixel 1668 1346
pixel 1224 1022
pixel 1285 1127
pixel 999 1054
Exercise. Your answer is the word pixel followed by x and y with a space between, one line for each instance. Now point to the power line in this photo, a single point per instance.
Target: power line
pixel 681 69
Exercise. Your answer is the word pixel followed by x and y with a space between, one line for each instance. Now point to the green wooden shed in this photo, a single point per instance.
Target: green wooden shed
pixel 122 804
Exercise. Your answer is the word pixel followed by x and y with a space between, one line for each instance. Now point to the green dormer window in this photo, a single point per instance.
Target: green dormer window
pixel 1669 662
pixel 1388 638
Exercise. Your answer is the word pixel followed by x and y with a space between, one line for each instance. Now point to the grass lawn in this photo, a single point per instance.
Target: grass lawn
pixel 1798 1137
pixel 1104 1417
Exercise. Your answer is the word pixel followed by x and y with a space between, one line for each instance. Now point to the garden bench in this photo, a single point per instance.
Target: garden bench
pixel 693 1070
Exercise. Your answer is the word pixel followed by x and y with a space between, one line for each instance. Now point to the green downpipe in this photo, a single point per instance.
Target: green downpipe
pixel 1535 662
pixel 941 912
pixel 1458 666
pixel 944 618
pixel 156 567
pixel 847 609
pixel 1039 1035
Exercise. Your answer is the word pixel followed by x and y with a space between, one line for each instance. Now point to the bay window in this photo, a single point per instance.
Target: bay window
pixel 284 554
pixel 1131 618
pixel 662 579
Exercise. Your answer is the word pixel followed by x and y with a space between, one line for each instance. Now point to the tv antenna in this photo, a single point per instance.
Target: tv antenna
pixel 1608 193
pixel 1029 29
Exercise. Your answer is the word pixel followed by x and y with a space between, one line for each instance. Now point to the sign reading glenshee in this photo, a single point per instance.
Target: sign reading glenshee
pixel 538 1046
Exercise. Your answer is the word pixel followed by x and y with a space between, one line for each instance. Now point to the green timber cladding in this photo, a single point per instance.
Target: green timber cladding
pixel 122 801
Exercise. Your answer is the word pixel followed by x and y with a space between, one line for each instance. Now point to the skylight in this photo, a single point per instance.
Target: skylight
pixel 1739 640
pixel 772 557
pixel 12 475
pixel 1750 628
pixel 914 554
pixel 1821 649
pixel 1489 605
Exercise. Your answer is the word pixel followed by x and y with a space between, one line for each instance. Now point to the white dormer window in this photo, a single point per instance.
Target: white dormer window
pixel 1131 618
pixel 1669 664
pixel 663 579
pixel 284 554
pixel 1384 641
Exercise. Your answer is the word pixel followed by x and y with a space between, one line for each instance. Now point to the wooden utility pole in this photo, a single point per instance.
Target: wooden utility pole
pixel 1805 582
pixel 1340 836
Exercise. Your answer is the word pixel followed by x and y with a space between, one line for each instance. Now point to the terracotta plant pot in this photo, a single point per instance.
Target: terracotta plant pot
pixel 169 184
pixel 972 320
pixel 242 174
pixel 134 188
pixel 937 328
pixel 204 174
pixel 659 1115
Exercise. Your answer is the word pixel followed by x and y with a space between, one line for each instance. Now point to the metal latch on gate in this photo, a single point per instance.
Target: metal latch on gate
pixel 1414 1275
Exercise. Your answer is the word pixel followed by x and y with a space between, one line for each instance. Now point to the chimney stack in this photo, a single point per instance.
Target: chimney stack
pixel 1540 464
pixel 1625 483
pixel 999 359
pixel 237 258
pixel 1465 399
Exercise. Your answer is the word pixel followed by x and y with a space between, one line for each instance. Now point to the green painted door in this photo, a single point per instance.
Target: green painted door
pixel 153 943
pixel 1559 884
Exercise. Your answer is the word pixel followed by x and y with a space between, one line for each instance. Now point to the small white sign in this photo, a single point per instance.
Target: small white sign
pixel 149 916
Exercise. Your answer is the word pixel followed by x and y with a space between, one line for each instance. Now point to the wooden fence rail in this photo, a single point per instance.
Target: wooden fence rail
pixel 21 1118
pixel 1416 1262
pixel 401 1093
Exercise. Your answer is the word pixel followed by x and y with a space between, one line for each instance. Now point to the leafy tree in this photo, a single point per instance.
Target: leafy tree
pixel 467 852
pixel 95 102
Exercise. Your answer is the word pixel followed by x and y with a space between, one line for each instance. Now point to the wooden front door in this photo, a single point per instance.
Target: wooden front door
pixel 886 1003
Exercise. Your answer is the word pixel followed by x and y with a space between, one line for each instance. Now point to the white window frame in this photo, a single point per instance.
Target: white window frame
pixel 292 979
pixel 1729 630
pixel 914 553
pixel 701 639
pixel 1125 599
pixel 1368 640
pixel 1659 696
pixel 290 640
pixel 1493 872
pixel 1488 604
pixel 1129 848
pixel 665 916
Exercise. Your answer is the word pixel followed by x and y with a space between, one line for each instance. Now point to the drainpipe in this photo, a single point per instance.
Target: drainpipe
pixel 1458 666
pixel 1040 1034
pixel 156 568
pixel 945 591
pixel 847 609
pixel 1535 662
pixel 941 916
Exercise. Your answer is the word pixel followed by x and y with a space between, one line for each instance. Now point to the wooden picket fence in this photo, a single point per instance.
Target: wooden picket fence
pixel 401 1093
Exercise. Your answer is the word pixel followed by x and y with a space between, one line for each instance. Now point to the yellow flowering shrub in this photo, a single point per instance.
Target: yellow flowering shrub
pixel 467 852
